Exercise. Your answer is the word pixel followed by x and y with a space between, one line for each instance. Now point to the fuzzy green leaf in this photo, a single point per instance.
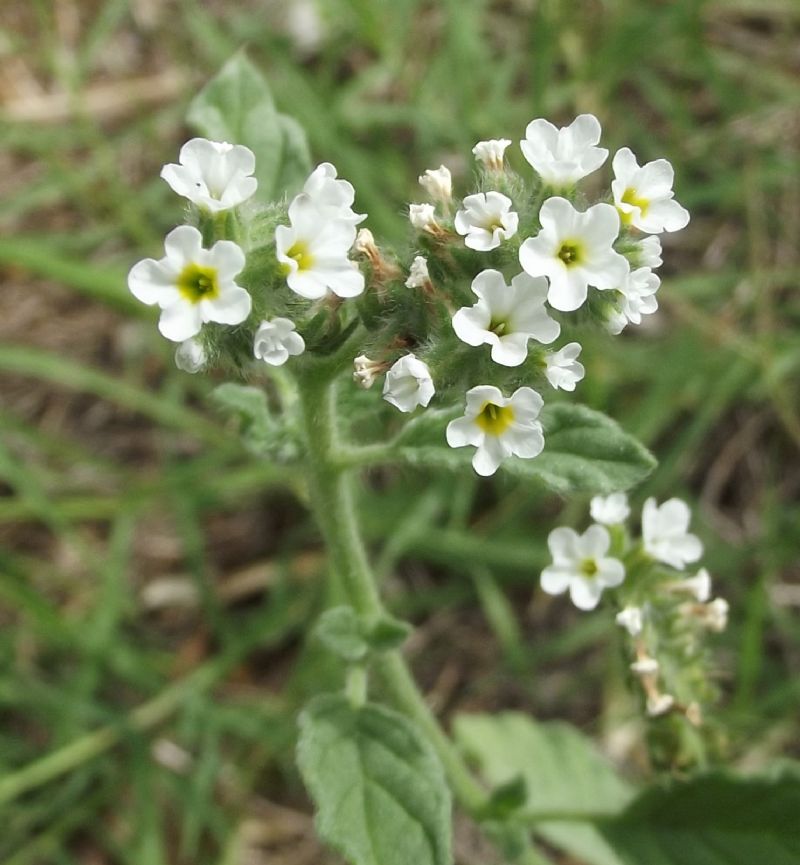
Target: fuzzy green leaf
pixel 237 106
pixel 713 820
pixel 584 451
pixel 345 634
pixel 564 775
pixel 378 786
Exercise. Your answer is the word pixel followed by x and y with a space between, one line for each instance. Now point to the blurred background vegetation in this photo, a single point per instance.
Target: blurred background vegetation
pixel 156 583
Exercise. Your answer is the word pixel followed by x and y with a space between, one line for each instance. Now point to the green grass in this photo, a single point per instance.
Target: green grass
pixel 116 473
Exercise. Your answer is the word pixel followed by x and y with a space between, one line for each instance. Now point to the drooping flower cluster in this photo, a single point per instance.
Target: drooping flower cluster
pixel 663 613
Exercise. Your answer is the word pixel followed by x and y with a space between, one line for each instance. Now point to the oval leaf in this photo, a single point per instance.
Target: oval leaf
pixel 378 785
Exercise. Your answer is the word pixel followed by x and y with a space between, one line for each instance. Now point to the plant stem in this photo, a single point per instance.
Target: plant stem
pixel 333 502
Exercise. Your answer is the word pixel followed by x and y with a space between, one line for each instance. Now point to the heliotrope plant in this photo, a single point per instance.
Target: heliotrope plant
pixel 463 330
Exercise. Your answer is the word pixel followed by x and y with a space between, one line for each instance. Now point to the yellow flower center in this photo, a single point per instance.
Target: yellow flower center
pixel 495 419
pixel 571 253
pixel 198 282
pixel 632 197
pixel 300 252
pixel 588 568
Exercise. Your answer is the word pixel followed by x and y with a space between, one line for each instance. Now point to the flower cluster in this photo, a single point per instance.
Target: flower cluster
pixel 246 280
pixel 663 613
pixel 195 284
pixel 500 267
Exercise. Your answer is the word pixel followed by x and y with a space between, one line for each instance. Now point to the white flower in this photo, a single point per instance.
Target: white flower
pixel 561 157
pixel 610 510
pixel 715 616
pixel 632 619
pixel 365 371
pixel 438 183
pixel 648 251
pixel 644 196
pixel 333 198
pixel 498 426
pixel 408 384
pixel 491 152
pixel 665 533
pixel 486 219
pixel 659 704
pixel 275 341
pixel 313 252
pixel 699 586
pixel 563 370
pixel 418 275
pixel 190 356
pixel 574 250
pixel 506 317
pixel 580 564
pixel 213 175
pixel 638 291
pixel 423 217
pixel 192 285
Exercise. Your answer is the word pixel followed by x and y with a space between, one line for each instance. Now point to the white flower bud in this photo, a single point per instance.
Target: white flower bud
pixel 645 666
pixel 699 585
pixel 659 704
pixel 438 183
pixel 716 615
pixel 418 275
pixel 190 356
pixel 365 371
pixel 490 153
pixel 408 384
pixel 632 619
pixel 365 241
pixel 423 217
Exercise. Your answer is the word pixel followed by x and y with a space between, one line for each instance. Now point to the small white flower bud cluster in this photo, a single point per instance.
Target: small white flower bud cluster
pixel 662 614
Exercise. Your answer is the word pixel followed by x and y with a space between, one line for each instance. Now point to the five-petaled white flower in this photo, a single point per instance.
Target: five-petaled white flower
pixel 333 197
pixel 610 510
pixel 665 533
pixel 644 195
pixel 313 251
pixel 574 250
pixel 491 152
pixel 486 219
pixel 563 369
pixel 408 384
pixel 276 341
pixel 438 183
pixel 506 316
pixel 562 157
pixel 190 356
pixel 214 175
pixel 192 285
pixel 637 298
pixel 498 426
pixel 581 565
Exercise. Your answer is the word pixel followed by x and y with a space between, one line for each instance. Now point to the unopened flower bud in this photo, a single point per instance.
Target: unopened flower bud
pixel 694 714
pixel 659 704
pixel 190 356
pixel 699 585
pixel 365 242
pixel 438 183
pixel 645 666
pixel 423 218
pixel 365 371
pixel 418 276
pixel 631 619
pixel 715 617
pixel 490 153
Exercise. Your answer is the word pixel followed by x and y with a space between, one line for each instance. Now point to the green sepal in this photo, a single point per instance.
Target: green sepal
pixel 347 635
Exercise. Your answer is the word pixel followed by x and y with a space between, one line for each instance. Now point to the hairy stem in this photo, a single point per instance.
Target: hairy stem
pixel 331 486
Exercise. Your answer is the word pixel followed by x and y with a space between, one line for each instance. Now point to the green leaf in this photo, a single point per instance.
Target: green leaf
pixel 237 106
pixel 584 451
pixel 565 777
pixel 377 783
pixel 713 820
pixel 345 634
